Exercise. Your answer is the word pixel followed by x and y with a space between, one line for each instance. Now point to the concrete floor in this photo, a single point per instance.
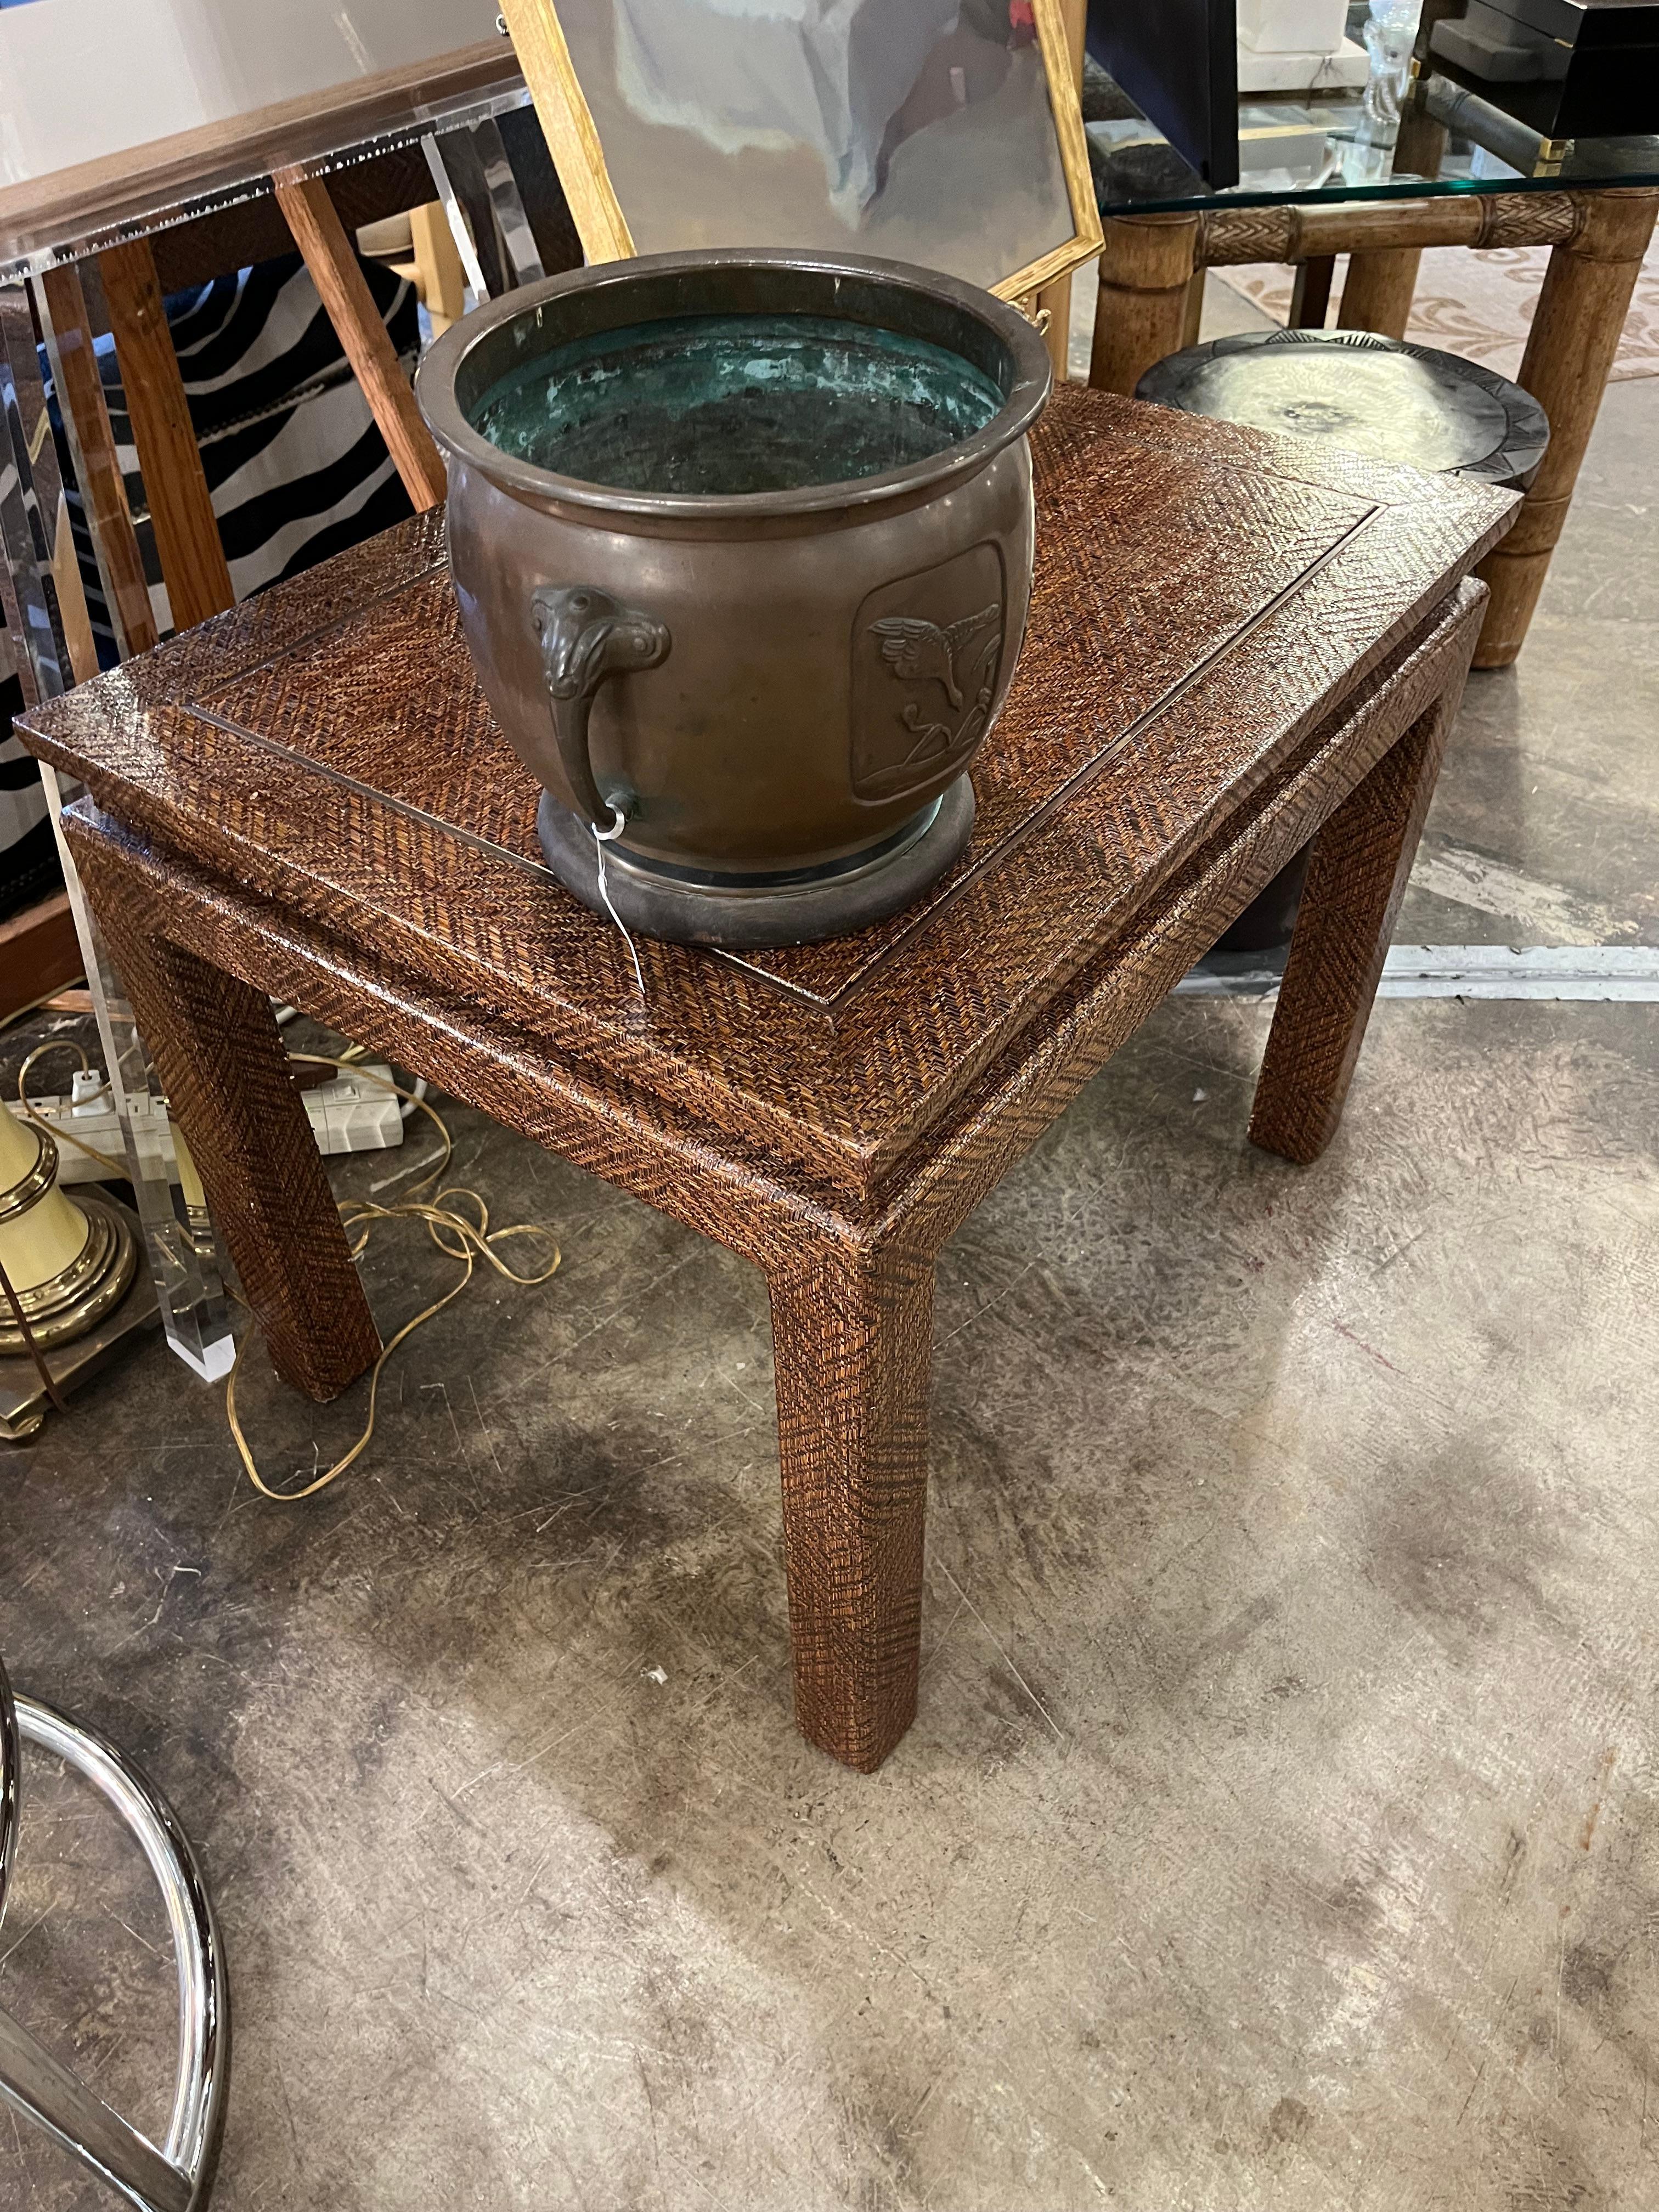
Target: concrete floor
pixel 1281 1825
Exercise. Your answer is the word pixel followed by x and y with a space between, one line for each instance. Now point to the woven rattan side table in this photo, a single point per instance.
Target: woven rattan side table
pixel 1236 646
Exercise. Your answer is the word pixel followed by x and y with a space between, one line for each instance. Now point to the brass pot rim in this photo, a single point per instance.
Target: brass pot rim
pixel 1029 386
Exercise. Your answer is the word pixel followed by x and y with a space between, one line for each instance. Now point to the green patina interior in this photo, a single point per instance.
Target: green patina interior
pixel 721 404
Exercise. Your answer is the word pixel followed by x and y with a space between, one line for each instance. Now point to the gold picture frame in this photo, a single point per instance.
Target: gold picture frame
pixel 573 140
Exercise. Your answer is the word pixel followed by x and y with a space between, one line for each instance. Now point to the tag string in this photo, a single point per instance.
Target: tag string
pixel 601 839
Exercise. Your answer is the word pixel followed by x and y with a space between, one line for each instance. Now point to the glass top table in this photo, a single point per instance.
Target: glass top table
pixel 1379 171
pixel 1325 146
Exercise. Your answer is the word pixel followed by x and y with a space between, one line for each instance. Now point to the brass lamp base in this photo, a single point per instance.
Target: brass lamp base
pixel 74 1301
pixel 23 1399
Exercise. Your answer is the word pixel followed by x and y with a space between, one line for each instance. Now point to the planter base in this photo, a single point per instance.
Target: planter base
pixel 758 911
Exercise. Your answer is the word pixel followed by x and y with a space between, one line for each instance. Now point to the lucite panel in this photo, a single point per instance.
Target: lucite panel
pixel 183 1252
pixel 915 130
pixel 83 79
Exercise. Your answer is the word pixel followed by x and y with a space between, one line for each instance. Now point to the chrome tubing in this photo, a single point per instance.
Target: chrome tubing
pixel 179 2176
pixel 8 1784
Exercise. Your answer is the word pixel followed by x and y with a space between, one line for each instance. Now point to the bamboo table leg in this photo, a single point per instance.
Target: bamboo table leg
pixel 852 1335
pixel 1145 273
pixel 1357 868
pixel 1192 314
pixel 1575 329
pixel 230 1089
pixel 1310 296
pixel 1378 290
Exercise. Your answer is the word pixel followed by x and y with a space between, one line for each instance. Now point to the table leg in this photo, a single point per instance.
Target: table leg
pixel 1575 329
pixel 1378 290
pixel 852 1335
pixel 217 1048
pixel 1358 867
pixel 1192 313
pixel 1311 295
pixel 1146 270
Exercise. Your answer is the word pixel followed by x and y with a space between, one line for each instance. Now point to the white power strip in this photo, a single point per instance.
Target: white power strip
pixel 347 1115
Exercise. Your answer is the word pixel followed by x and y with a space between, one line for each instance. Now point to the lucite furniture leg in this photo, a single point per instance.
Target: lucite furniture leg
pixel 177 2175
pixel 183 1255
pixel 30 487
pixel 507 202
pixel 460 228
pixel 458 169
pixel 185 1261
pixel 504 238
pixel 60 301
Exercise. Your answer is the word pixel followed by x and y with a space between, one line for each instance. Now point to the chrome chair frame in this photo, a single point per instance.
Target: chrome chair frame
pixel 179 2176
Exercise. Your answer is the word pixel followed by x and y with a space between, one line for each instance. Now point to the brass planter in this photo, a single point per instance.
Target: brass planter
pixel 776 691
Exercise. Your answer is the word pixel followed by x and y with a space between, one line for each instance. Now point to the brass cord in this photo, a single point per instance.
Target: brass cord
pixel 452 1233
pixel 117 1167
pixel 31 1006
pixel 455 1236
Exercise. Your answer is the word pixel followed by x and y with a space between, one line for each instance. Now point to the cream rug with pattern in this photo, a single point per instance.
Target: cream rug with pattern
pixel 1479 305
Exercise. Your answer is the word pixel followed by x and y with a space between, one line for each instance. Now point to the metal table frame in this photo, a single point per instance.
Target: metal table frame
pixel 177 2175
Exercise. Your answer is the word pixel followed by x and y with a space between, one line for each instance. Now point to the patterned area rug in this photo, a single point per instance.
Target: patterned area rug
pixel 1479 305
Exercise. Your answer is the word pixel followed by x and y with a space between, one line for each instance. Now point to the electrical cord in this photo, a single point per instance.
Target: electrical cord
pixel 48 1003
pixel 114 1167
pixel 472 1240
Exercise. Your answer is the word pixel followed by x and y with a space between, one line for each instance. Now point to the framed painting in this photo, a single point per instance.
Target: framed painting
pixel 944 132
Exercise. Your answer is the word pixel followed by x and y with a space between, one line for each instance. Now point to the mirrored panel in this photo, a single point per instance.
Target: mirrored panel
pixel 921 130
